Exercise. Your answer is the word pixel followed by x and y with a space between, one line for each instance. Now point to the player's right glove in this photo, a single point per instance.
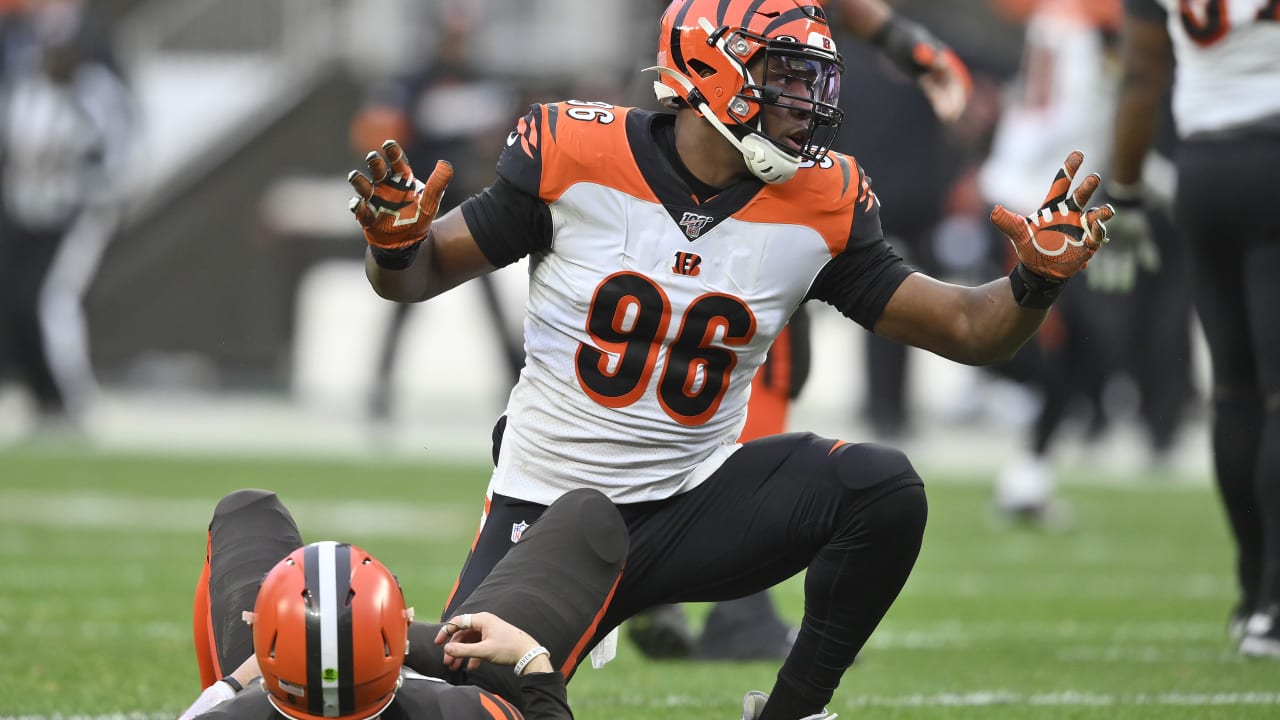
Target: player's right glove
pixel 395 208
pixel 1058 240
pixel 213 696
pixel 1133 247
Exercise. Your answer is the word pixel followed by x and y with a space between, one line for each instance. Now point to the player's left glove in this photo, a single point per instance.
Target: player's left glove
pixel 1059 239
pixel 1133 246
pixel 213 696
pixel 942 75
pixel 395 208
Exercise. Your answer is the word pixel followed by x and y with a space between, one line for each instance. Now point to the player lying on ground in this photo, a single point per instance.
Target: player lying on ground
pixel 329 634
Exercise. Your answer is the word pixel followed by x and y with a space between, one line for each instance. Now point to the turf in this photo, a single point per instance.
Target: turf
pixel 1123 617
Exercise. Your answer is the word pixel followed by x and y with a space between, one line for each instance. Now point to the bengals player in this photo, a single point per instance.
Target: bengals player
pixel 327 630
pixel 667 251
pixel 1226 106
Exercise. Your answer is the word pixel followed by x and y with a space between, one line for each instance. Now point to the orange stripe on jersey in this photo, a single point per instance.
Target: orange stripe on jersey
pixel 453 590
pixel 510 708
pixel 839 444
pixel 496 711
pixel 587 149
pixel 571 662
pixel 823 198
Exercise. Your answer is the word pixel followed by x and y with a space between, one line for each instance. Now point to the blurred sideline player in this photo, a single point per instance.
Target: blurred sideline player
pixel 750 628
pixel 453 111
pixel 1066 56
pixel 1224 62
pixel 327 630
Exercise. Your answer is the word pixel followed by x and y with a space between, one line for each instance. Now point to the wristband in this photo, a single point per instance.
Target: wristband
pixel 1034 291
pixel 233 683
pixel 900 39
pixel 395 259
pixel 528 658
pixel 1124 194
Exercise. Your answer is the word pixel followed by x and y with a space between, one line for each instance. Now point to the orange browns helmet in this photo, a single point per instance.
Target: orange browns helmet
pixel 707 53
pixel 330 631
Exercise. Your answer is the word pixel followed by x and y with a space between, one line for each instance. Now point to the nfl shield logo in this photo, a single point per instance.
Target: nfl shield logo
pixel 517 529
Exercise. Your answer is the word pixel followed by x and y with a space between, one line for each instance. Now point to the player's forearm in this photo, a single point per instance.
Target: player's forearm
pixel 1147 71
pixel 247 672
pixel 407 285
pixel 543 696
pixel 995 326
pixel 445 259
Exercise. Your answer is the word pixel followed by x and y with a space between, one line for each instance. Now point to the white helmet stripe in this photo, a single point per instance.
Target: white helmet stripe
pixel 329 627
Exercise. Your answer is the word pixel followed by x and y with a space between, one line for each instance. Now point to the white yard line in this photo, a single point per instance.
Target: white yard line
pixel 100 511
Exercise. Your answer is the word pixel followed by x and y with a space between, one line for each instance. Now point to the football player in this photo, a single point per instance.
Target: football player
pixel 1226 105
pixel 327 630
pixel 750 628
pixel 667 250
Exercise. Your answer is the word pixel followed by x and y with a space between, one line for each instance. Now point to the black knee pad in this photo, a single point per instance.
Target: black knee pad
pixel 902 511
pixel 599 523
pixel 866 465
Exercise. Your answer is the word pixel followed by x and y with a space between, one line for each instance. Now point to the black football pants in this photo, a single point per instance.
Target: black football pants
pixel 852 515
pixel 1226 203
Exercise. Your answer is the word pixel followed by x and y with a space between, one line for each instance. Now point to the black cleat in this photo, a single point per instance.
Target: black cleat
pixel 662 633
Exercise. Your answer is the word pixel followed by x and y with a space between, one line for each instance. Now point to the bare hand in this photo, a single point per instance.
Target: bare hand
pixel 476 637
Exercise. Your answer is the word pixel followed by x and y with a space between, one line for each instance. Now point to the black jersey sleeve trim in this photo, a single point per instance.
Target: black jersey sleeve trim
pixel 507 223
pixel 860 282
pixel 1145 10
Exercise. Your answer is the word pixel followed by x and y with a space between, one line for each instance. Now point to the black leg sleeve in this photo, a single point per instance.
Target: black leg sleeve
pixel 848 589
pixel 250 532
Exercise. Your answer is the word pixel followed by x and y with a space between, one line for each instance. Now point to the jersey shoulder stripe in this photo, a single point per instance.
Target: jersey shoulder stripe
pixel 558 145
pixel 830 197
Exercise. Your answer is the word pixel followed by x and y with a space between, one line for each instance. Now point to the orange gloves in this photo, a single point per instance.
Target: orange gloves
pixel 396 209
pixel 1057 241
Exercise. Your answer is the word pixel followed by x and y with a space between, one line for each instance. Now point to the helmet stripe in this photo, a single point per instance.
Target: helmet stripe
pixel 745 22
pixel 346 653
pixel 791 16
pixel 677 55
pixel 327 569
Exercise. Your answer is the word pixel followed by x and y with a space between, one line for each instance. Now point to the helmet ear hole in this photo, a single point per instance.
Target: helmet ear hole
pixel 703 69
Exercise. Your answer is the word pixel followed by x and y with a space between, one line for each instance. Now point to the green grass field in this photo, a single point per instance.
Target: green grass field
pixel 1121 618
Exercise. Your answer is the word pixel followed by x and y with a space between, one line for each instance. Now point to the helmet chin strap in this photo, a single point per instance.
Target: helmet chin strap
pixel 764 159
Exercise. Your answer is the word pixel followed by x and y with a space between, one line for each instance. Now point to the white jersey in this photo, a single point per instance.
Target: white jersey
pixel 1061 100
pixel 1228 69
pixel 650 313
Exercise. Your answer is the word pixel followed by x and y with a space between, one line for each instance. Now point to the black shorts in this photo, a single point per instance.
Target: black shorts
pixel 758 520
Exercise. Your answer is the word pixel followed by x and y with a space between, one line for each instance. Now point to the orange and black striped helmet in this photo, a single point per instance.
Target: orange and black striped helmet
pixel 707 59
pixel 330 631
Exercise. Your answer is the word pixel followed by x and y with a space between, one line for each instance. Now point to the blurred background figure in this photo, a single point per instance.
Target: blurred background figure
pixel 66 131
pixel 1224 63
pixel 449 110
pixel 901 136
pixel 1092 341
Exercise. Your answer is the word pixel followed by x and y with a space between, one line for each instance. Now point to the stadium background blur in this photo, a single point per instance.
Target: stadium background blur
pixel 230 308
